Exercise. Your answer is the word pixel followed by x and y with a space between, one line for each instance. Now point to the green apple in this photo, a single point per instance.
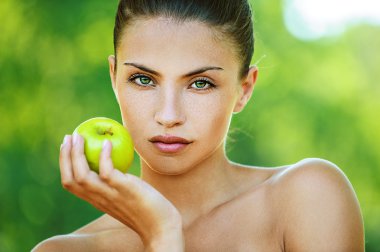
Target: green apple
pixel 95 131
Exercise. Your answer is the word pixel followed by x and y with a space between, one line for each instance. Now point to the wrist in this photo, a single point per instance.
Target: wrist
pixel 169 239
pixel 173 242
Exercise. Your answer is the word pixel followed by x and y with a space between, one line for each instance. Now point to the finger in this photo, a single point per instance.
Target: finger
pixel 79 161
pixel 107 172
pixel 98 187
pixel 65 162
pixel 105 161
pixel 92 189
pixel 126 184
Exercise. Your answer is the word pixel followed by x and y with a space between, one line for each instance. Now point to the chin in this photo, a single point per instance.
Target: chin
pixel 167 172
pixel 167 166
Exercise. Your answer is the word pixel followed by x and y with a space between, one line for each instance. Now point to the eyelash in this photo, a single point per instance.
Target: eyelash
pixel 136 76
pixel 208 82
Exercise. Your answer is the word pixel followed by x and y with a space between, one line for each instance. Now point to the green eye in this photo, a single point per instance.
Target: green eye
pixel 200 84
pixel 144 80
pixel 141 80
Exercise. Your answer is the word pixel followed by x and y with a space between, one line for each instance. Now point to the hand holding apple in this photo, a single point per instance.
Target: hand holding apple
pixel 95 131
pixel 123 196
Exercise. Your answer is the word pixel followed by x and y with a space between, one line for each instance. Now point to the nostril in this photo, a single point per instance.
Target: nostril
pixel 169 122
pixel 170 112
pixel 169 119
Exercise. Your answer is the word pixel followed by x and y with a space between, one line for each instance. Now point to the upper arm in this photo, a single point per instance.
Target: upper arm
pixel 120 239
pixel 320 209
pixel 103 234
pixel 70 243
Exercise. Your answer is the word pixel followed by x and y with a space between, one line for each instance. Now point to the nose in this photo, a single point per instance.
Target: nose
pixel 169 111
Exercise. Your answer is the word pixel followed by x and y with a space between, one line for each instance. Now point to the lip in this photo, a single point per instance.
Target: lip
pixel 169 143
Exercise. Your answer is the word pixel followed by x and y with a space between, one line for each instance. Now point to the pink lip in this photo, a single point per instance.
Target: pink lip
pixel 169 144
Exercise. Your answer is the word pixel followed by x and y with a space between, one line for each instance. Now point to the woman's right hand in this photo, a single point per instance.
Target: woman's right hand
pixel 125 197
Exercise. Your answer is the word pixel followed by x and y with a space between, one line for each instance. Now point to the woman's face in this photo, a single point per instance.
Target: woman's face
pixel 177 80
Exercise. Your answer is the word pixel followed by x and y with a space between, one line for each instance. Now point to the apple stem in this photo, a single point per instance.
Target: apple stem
pixel 105 132
pixel 109 132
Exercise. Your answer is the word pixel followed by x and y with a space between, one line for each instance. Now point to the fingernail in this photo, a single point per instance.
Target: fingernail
pixel 65 140
pixel 75 138
pixel 106 144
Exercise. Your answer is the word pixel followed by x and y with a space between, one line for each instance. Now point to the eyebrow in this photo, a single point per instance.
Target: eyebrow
pixel 194 72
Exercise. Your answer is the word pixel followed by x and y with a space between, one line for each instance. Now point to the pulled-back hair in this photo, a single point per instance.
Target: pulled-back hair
pixel 232 18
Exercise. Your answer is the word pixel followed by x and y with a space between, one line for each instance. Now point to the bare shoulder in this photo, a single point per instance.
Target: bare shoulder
pixel 103 234
pixel 312 172
pixel 318 208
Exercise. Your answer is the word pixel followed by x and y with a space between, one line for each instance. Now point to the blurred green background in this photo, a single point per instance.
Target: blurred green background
pixel 315 98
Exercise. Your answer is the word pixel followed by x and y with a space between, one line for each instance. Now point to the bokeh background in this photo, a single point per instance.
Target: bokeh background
pixel 315 97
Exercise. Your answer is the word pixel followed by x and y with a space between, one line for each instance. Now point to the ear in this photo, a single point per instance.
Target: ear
pixel 246 91
pixel 112 69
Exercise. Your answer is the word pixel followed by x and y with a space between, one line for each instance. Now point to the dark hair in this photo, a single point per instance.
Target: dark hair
pixel 232 18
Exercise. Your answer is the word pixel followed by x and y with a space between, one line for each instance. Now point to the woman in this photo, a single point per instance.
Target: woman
pixel 180 71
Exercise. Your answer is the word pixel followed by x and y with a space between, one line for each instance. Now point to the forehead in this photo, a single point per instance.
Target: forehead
pixel 164 42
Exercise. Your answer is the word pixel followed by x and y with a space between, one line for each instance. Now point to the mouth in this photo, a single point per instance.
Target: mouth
pixel 169 144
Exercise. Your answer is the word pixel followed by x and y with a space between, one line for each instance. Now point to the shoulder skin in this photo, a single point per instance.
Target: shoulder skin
pixel 319 208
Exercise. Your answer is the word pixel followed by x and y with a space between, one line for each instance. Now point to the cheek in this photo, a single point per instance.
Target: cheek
pixel 135 111
pixel 211 118
pixel 207 116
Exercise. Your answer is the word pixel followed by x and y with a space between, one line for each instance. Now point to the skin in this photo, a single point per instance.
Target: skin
pixel 197 199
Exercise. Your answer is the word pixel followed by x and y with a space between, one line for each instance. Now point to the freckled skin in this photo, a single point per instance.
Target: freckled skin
pixel 200 116
pixel 223 206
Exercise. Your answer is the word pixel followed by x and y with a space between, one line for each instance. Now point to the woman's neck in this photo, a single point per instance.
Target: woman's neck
pixel 198 190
